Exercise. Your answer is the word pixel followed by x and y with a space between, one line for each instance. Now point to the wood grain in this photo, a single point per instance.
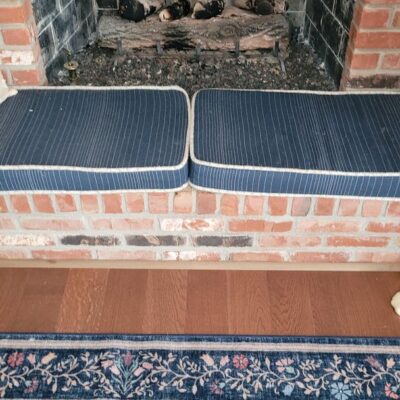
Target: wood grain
pixel 83 301
pixel 249 306
pixel 38 307
pixel 198 302
pixel 290 303
pixel 207 308
pixel 125 306
pixel 326 296
pixel 12 287
pixel 165 302
pixel 358 304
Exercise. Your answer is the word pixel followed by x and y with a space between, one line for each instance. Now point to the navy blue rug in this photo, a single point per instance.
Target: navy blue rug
pixel 204 367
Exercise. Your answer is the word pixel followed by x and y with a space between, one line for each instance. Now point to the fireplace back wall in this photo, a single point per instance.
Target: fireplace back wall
pixel 63 24
pixel 327 26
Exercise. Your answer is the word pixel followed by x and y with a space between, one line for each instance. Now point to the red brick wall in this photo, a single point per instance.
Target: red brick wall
pixel 373 53
pixel 193 225
pixel 20 58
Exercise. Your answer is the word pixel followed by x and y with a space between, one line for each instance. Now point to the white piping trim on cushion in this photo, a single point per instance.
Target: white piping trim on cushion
pixel 321 92
pixel 182 164
pixel 274 169
pixel 326 196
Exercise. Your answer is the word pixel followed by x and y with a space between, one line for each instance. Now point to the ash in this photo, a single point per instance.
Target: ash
pixel 251 70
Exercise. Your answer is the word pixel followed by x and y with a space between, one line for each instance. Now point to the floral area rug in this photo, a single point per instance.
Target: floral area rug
pixel 203 367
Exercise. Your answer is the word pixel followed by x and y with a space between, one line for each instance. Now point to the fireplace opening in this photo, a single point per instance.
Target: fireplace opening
pixel 279 44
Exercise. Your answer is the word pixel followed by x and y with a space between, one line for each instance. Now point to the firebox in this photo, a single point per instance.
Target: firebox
pixel 356 43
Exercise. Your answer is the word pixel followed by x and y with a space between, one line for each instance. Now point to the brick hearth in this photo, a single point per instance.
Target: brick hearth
pixel 196 225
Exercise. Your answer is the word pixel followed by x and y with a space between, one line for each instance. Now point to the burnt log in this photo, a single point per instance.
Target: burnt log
pixel 253 32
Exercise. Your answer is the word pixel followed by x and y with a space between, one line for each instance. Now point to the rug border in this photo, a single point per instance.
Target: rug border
pixel 200 338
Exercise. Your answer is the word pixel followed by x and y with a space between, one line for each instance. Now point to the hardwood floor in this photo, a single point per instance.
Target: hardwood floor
pixel 202 302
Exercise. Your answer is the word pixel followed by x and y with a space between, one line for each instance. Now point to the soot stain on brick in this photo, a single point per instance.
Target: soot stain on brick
pixel 152 240
pixel 84 240
pixel 223 241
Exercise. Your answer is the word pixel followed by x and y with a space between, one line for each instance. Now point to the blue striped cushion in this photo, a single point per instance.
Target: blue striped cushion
pixel 297 143
pixel 94 139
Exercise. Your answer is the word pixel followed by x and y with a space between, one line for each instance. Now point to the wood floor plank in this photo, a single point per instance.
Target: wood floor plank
pixel 385 319
pixel 165 302
pixel 83 300
pixel 12 284
pixel 198 302
pixel 207 303
pixel 358 296
pixel 327 296
pixel 125 301
pixel 249 307
pixel 355 304
pixel 373 296
pixel 291 309
pixel 38 308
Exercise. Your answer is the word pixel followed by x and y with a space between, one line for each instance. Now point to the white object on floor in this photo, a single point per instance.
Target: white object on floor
pixel 396 303
pixel 5 91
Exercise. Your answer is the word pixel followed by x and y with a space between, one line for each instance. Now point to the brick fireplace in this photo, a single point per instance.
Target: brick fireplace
pixel 35 33
pixel 192 224
pixel 373 54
